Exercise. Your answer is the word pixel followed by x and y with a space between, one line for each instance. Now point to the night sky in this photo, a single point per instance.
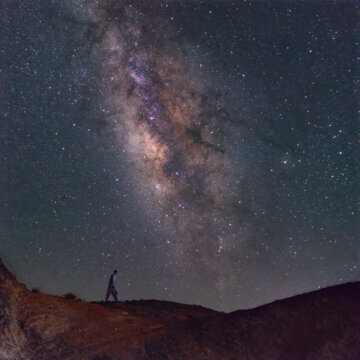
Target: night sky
pixel 204 149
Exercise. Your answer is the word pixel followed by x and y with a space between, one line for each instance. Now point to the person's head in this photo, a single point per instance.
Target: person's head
pixel 115 272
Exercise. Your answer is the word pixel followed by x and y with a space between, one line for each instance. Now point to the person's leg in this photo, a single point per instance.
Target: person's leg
pixel 107 294
pixel 115 294
pixel 111 290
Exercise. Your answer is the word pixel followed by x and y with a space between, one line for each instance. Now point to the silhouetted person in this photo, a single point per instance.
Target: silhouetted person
pixel 111 287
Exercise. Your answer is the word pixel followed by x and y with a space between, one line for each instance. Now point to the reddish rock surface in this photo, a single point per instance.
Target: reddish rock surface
pixel 324 324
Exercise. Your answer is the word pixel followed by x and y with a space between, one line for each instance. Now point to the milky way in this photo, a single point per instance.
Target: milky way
pixel 205 149
pixel 174 131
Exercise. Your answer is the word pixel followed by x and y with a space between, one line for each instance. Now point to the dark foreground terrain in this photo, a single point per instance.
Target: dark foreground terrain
pixel 323 324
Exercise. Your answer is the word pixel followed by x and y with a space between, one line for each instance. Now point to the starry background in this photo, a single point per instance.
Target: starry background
pixel 206 150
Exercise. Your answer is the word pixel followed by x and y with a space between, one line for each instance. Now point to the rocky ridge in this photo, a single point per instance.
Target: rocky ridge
pixel 323 324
